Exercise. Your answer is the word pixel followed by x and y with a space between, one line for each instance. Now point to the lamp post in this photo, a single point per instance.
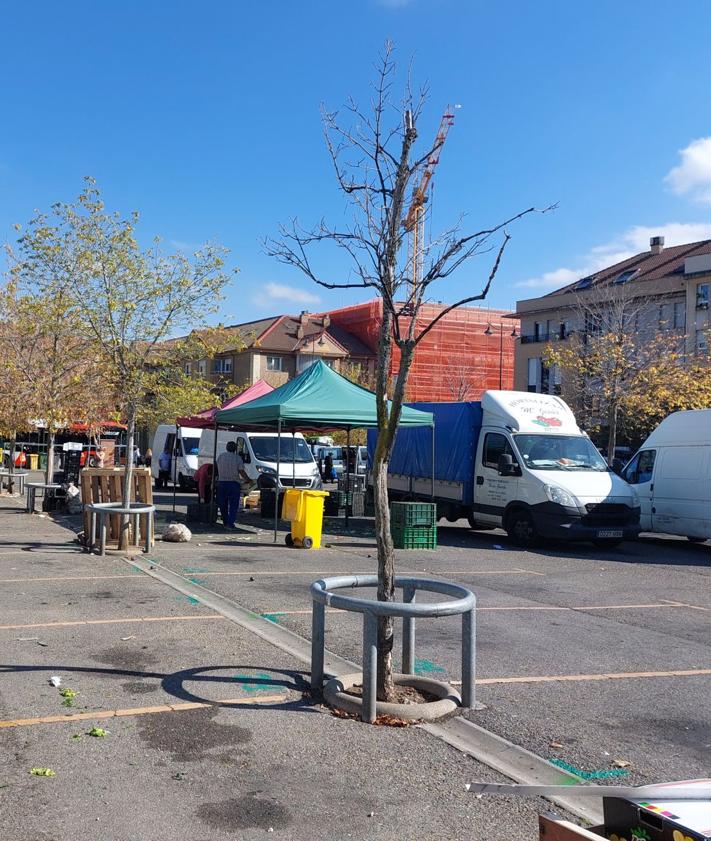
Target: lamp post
pixel 490 332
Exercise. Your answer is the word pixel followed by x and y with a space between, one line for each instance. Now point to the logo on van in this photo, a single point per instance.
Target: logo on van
pixel 548 422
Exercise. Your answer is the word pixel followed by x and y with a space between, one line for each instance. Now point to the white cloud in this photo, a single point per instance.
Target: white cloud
pixel 633 241
pixel 180 245
pixel 281 292
pixel 693 175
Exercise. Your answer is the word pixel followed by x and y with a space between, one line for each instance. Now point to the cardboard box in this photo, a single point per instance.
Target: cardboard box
pixel 659 820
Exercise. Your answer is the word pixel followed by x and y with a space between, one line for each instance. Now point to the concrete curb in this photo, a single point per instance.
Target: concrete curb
pixel 335 693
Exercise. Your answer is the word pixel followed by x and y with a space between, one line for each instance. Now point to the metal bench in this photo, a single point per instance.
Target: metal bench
pixel 18 477
pixel 33 487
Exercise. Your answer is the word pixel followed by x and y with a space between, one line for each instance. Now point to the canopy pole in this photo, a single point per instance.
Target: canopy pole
pixel 293 458
pixel 175 460
pixel 213 481
pixel 276 501
pixel 348 455
pixel 432 430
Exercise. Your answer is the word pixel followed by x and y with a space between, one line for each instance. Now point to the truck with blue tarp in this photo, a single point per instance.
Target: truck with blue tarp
pixel 517 461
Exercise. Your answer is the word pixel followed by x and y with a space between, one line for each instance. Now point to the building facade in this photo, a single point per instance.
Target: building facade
pixel 470 350
pixel 672 286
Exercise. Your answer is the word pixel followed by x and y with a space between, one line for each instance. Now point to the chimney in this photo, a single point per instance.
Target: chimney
pixel 304 318
pixel 656 245
pixel 326 321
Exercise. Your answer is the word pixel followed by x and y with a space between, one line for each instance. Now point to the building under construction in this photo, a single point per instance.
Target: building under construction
pixel 468 351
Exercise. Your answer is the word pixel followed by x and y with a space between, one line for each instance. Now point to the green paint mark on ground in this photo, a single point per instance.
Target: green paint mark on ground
pixel 247 682
pixel 188 570
pixel 605 774
pixel 188 599
pixel 272 617
pixel 199 581
pixel 427 667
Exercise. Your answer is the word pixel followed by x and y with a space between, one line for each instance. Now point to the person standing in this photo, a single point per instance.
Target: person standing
pixel 230 471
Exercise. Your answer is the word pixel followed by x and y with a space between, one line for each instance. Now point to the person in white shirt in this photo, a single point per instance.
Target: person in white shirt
pixel 230 471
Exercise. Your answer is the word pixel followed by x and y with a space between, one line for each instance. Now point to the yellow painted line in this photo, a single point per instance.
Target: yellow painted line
pixel 583 678
pixel 165 708
pixel 126 620
pixel 69 578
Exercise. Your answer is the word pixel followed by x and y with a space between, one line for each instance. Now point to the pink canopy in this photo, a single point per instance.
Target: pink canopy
pixel 207 418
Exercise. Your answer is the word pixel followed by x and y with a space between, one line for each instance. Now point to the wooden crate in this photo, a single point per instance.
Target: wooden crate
pixel 551 828
pixel 105 484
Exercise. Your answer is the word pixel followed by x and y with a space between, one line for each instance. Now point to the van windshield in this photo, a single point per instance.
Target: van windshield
pixel 559 452
pixel 292 449
pixel 191 446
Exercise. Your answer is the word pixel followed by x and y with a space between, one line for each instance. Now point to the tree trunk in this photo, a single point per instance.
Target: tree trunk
pixel 612 433
pixel 128 478
pixel 49 470
pixel 386 579
pixel 11 464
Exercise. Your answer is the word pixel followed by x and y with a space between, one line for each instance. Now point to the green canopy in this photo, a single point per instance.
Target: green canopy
pixel 317 399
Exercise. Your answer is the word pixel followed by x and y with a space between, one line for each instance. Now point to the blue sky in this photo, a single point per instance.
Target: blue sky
pixel 205 118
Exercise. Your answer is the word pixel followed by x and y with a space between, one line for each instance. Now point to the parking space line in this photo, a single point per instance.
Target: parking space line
pixel 689 606
pixel 251 701
pixel 125 620
pixel 488 681
pixel 126 575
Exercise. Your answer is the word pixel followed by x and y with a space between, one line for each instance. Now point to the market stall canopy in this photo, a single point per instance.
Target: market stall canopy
pixel 207 418
pixel 317 399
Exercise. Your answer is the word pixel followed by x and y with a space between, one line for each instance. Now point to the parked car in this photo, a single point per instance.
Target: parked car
pixel 517 461
pixel 671 473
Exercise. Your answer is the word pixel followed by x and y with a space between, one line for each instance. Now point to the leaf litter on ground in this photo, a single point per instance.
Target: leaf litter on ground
pixel 42 772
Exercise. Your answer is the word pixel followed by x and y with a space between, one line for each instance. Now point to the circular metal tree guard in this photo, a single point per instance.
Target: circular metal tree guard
pixel 463 602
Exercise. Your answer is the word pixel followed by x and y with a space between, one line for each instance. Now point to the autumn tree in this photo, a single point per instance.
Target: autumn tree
pixel 130 300
pixel 619 359
pixel 378 165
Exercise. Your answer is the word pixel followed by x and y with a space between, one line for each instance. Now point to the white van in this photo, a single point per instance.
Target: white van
pixel 672 475
pixel 259 452
pixel 185 450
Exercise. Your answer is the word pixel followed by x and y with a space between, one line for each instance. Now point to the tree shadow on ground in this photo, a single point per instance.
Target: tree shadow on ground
pixel 174 683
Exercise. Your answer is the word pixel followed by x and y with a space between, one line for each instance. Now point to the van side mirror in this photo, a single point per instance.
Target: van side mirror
pixel 506 466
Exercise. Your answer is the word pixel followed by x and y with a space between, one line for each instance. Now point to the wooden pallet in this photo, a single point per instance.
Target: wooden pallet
pixel 105 484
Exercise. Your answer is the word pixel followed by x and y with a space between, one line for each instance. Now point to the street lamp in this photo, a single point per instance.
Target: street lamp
pixel 490 332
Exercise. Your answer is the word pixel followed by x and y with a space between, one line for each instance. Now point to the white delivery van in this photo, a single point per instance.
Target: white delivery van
pixel 259 453
pixel 672 475
pixel 516 461
pixel 184 450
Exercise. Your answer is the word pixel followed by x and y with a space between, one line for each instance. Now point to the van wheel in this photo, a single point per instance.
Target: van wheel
pixel 520 528
pixel 182 484
pixel 607 543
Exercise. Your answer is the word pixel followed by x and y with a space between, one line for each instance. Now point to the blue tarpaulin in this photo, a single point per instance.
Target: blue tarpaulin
pixel 456 431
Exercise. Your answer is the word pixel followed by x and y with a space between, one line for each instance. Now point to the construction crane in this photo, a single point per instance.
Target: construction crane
pixel 414 221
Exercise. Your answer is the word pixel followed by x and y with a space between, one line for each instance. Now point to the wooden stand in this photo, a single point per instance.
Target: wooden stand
pixel 105 484
pixel 554 829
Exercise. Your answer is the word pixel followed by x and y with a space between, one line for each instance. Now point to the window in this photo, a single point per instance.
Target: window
pixel 702 341
pixel 563 330
pixel 585 283
pixel 625 276
pixel 555 380
pixel 188 368
pixel 274 363
pixel 545 378
pixel 223 365
pixel 640 469
pixel 202 367
pixel 496 445
pixel 537 332
pixel 702 296
pixel 533 370
pixel 680 315
pixel 665 316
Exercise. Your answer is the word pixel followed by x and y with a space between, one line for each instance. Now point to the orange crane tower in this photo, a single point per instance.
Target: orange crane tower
pixel 414 222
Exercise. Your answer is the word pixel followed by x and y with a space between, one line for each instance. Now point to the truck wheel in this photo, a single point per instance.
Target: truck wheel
pixel 520 528
pixel 470 519
pixel 607 543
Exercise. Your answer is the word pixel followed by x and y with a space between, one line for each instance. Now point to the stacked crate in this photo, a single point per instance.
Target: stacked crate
pixel 413 525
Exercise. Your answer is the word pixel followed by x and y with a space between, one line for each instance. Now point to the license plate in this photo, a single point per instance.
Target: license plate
pixel 609 533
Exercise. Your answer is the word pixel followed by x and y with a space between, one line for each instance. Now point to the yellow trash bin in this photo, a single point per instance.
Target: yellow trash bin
pixel 34 460
pixel 305 510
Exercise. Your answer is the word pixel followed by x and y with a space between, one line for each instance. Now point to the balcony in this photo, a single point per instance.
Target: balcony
pixel 554 336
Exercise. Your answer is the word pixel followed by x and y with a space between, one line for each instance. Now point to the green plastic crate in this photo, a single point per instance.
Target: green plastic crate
pixel 414 537
pixel 408 514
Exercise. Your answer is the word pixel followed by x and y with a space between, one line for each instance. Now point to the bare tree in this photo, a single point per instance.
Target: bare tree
pixel 464 379
pixel 378 168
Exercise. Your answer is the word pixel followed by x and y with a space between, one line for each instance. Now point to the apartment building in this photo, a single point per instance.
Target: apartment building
pixel 672 286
